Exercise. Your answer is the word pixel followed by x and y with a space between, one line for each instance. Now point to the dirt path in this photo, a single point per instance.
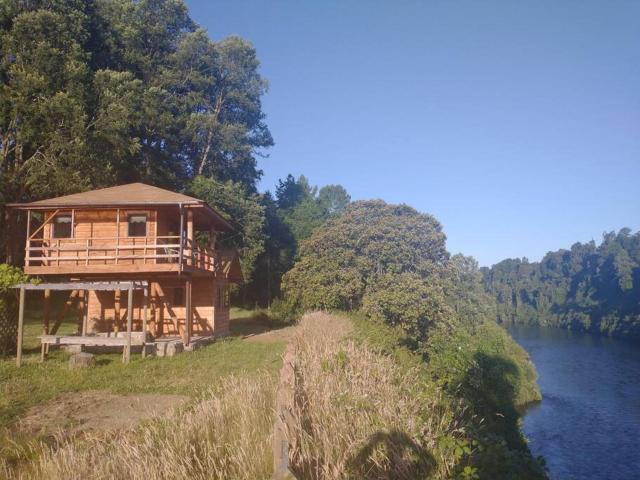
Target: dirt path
pixel 95 411
pixel 279 335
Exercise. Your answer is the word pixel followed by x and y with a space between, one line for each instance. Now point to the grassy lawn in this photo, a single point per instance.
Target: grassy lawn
pixel 190 373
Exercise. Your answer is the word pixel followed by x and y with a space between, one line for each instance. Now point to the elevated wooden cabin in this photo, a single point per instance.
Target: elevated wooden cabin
pixel 162 240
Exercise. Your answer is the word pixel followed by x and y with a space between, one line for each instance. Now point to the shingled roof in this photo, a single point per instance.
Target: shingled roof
pixel 129 195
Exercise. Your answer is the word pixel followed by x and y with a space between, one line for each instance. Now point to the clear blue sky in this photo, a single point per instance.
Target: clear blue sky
pixel 515 123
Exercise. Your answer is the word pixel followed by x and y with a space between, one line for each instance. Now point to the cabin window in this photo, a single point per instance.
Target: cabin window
pixel 62 227
pixel 178 297
pixel 137 225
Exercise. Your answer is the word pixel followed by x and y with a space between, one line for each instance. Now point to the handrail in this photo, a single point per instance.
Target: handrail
pixel 119 252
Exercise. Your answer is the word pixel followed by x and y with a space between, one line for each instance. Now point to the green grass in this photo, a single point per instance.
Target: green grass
pixel 188 374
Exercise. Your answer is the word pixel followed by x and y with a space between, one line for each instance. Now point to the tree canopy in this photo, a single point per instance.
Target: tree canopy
pixel 105 92
pixel 389 260
pixel 589 287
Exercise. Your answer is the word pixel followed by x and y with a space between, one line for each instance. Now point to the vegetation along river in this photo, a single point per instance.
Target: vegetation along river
pixel 588 423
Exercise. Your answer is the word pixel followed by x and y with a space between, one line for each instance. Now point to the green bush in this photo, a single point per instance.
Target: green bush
pixel 369 239
pixel 9 276
pixel 408 301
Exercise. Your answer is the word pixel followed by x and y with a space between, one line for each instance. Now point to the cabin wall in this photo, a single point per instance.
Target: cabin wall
pixel 163 313
pixel 95 224
pixel 97 240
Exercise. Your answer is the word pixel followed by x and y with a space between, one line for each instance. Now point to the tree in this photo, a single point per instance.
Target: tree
pixel 290 192
pixel 589 287
pixel 244 211
pixel 95 94
pixel 333 199
pixel 355 258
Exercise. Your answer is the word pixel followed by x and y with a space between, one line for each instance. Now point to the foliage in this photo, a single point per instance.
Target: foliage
pixel 137 79
pixel 358 258
pixel 485 375
pixel 245 213
pixel 10 276
pixel 589 287
pixel 303 208
pixel 291 217
pixel 409 301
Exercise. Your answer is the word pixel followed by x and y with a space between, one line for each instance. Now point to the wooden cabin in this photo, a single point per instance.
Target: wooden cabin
pixel 156 244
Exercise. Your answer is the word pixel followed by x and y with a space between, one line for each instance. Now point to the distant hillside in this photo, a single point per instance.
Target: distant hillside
pixel 590 287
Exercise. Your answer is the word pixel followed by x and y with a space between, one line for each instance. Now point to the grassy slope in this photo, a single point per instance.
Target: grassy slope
pixel 485 374
pixel 187 374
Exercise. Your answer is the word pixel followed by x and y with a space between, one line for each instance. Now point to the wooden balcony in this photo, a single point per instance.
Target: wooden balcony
pixel 103 255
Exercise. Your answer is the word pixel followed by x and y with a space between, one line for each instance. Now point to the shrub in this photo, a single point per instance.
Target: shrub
pixel 408 301
pixel 9 276
pixel 370 243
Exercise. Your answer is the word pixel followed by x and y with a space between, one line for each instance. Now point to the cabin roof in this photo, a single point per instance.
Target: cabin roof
pixel 130 195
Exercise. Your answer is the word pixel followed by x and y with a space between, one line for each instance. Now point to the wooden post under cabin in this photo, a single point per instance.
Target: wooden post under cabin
pixel 85 314
pixel 153 326
pixel 127 348
pixel 80 310
pixel 20 328
pixel 116 311
pixel 188 312
pixel 46 321
pixel 144 321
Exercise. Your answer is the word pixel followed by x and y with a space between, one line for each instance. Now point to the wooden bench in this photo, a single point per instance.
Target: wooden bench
pixel 120 340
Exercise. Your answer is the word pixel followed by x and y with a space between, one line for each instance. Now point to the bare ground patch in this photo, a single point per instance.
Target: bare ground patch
pixel 279 335
pixel 95 411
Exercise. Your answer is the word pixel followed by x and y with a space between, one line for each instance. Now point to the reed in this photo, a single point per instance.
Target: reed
pixel 225 434
pixel 360 414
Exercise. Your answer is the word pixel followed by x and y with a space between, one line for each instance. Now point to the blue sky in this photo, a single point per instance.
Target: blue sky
pixel 515 123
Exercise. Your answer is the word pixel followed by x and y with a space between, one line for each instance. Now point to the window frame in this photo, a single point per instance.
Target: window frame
pixel 55 222
pixel 129 223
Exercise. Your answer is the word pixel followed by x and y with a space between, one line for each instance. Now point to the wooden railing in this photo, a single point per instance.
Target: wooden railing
pixel 117 251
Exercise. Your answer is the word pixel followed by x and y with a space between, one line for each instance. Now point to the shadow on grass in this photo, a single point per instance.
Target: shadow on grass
pixel 406 459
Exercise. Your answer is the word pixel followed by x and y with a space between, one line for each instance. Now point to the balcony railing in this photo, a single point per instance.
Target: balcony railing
pixel 118 251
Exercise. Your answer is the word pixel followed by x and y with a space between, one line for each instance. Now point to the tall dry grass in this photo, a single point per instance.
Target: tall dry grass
pixel 227 434
pixel 358 414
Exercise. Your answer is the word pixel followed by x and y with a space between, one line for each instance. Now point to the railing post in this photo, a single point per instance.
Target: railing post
pixel 182 239
pixel 117 235
pixel 27 251
pixel 190 244
pixel 87 252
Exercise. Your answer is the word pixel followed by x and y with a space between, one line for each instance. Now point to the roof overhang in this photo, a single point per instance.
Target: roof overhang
pixel 217 220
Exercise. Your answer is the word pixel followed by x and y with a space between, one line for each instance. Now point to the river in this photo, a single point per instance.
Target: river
pixel 588 423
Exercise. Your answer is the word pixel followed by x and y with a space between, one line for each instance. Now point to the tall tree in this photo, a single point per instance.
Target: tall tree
pixel 105 92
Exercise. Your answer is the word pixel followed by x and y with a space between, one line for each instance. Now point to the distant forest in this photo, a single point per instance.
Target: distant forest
pixel 594 288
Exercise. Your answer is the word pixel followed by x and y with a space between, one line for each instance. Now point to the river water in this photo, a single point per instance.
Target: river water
pixel 588 423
